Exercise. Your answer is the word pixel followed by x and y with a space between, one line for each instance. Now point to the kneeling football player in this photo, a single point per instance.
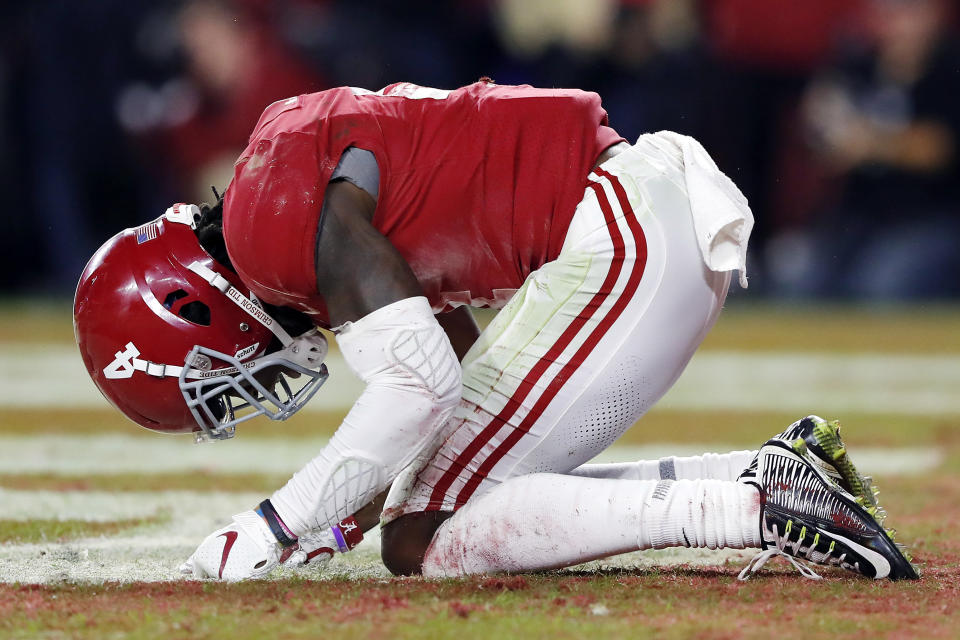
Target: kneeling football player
pixel 385 215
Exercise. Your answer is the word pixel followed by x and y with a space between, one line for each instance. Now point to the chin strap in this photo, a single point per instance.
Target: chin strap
pixel 249 306
pixel 127 361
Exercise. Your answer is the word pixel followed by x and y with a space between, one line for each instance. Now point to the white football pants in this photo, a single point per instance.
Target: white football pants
pixel 590 341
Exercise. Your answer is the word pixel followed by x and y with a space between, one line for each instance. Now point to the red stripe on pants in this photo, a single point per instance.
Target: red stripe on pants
pixel 529 382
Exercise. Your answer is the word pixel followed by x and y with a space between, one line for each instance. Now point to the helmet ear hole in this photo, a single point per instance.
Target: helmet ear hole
pixel 196 312
pixel 172 297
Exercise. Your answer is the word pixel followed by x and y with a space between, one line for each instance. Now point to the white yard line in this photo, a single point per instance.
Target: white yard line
pixel 149 553
pixel 823 383
pixel 154 552
pixel 116 453
pixel 105 506
pixel 32 377
pixel 828 383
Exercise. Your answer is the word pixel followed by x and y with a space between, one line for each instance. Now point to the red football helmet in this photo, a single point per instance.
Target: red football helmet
pixel 170 340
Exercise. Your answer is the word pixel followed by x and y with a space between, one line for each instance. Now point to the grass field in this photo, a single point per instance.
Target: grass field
pixel 98 514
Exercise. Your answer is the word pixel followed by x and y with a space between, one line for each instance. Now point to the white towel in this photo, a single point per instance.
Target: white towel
pixel 722 218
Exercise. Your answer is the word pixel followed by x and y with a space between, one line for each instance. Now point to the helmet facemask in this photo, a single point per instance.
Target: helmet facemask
pixel 221 399
pixel 275 385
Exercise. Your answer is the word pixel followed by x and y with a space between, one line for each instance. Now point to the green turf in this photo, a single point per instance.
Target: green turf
pixel 664 604
pixel 922 328
pixel 676 603
pixel 36 321
pixel 28 531
pixel 724 428
pixel 125 482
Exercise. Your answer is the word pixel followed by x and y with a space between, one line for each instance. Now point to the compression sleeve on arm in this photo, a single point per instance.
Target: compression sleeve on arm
pixel 359 168
pixel 413 384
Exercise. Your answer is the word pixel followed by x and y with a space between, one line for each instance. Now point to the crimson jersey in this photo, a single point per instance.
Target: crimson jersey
pixel 477 185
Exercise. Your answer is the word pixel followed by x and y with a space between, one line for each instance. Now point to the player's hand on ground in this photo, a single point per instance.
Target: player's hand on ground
pixel 244 549
pixel 314 549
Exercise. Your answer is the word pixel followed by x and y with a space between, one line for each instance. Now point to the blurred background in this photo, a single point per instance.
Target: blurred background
pixel 839 119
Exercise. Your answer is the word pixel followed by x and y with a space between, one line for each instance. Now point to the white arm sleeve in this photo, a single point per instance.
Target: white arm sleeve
pixel 413 384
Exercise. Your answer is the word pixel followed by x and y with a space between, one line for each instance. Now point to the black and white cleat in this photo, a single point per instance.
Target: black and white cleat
pixel 807 515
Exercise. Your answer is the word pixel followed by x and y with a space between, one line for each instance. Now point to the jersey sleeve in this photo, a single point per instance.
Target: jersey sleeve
pixel 274 205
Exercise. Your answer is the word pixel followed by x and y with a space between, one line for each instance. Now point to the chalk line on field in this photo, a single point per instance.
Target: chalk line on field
pixel 117 453
pixel 156 554
pixel 826 383
pixel 53 376
pixel 154 551
pixel 150 553
pixel 108 506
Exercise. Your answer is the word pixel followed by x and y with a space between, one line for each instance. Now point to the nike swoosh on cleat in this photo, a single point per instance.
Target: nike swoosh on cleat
pixel 231 537
pixel 880 563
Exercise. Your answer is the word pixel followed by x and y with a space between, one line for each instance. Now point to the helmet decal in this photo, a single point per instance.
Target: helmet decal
pixel 146 232
pixel 122 365
pixel 201 362
pixel 243 353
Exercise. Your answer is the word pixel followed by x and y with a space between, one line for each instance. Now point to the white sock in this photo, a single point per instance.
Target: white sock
pixel 716 466
pixel 547 521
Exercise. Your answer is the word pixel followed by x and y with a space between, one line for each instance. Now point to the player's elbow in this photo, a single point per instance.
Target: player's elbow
pixel 430 396
pixel 434 378
pixel 448 395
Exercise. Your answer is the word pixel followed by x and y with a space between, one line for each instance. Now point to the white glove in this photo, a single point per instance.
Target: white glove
pixel 244 549
pixel 315 547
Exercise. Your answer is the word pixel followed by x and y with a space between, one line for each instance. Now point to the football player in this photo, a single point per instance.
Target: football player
pixel 384 216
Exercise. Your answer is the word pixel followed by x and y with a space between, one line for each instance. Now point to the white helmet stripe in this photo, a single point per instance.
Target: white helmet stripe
pixel 242 301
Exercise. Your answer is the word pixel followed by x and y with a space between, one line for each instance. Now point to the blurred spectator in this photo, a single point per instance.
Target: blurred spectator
pixel 777 35
pixel 652 71
pixel 198 123
pixel 529 27
pixel 373 43
pixel 885 123
pixel 764 52
pixel 653 74
pixel 102 131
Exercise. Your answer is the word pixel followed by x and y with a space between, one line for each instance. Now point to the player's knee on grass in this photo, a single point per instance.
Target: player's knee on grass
pixel 404 541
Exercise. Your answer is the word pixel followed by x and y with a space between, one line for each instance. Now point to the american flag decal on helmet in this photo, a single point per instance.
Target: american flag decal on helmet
pixel 146 232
